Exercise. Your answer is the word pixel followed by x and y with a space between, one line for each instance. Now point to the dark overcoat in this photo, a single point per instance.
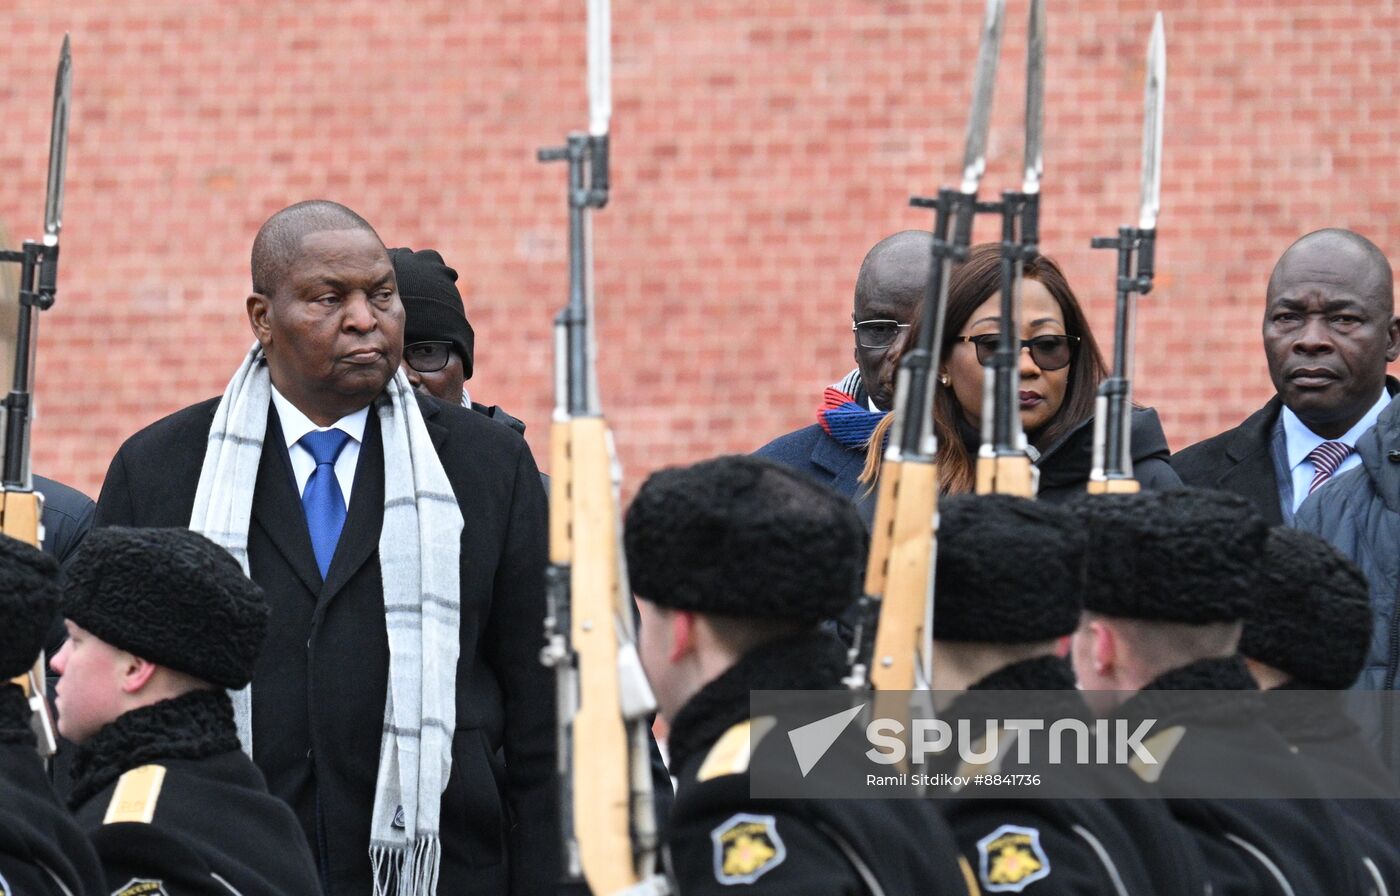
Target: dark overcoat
pixel 42 849
pixel 319 686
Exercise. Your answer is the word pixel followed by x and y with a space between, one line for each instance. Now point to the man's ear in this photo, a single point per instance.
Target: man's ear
pixel 135 673
pixel 1104 646
pixel 682 634
pixel 259 310
pixel 1392 348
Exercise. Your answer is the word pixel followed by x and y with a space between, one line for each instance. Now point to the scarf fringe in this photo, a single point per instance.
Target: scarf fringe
pixel 399 872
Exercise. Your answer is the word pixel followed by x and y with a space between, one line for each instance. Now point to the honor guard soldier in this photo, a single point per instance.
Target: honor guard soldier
pixel 42 851
pixel 1168 578
pixel 735 562
pixel 160 622
pixel 1306 640
pixel 1008 591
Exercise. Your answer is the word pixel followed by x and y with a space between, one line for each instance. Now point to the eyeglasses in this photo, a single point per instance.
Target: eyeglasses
pixel 877 333
pixel 427 357
pixel 1048 352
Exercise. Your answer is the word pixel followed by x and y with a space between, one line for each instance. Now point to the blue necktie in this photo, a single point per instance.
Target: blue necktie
pixel 322 501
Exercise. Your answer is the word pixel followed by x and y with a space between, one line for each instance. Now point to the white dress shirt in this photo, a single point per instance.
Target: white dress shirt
pixel 1301 441
pixel 295 424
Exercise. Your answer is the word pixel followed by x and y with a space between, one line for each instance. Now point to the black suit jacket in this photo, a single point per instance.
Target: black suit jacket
pixel 319 686
pixel 1240 460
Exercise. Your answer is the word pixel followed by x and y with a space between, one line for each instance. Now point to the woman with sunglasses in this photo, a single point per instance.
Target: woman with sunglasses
pixel 1061 369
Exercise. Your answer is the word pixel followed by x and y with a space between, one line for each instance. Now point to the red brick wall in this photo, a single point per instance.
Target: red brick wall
pixel 760 149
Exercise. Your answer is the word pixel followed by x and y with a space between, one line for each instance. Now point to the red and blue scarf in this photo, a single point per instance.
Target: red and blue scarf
pixel 845 413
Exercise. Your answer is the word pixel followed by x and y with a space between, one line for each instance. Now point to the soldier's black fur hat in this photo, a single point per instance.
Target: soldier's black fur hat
pixel 1008 570
pixel 743 536
pixel 29 583
pixel 1183 555
pixel 170 596
pixel 432 305
pixel 1312 617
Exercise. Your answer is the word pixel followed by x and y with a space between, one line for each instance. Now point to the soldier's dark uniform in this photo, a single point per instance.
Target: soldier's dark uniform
pixel 1192 558
pixel 1312 621
pixel 741 537
pixel 720 837
pixel 42 850
pixel 1007 576
pixel 168 798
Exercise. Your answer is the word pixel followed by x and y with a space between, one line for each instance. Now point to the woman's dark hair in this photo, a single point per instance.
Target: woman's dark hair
pixel 972 283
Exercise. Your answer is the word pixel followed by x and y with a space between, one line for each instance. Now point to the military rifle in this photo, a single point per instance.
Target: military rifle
pixel 1112 466
pixel 608 825
pixel 893 642
pixel 21 507
pixel 1004 463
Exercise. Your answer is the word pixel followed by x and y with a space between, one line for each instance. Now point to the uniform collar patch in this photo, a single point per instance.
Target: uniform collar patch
pixel 1010 859
pixel 746 848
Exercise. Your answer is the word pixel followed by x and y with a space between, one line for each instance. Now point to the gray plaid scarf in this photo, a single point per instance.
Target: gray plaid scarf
pixel 419 546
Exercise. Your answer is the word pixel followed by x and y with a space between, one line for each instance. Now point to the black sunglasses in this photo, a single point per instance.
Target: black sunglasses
pixel 1048 352
pixel 427 357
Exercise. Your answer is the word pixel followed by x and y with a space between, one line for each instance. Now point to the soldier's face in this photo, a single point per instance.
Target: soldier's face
pixel 333 328
pixel 89 690
pixel 656 645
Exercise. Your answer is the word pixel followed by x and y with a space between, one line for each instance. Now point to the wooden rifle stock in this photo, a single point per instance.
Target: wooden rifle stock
pixel 607 823
pixel 585 539
pixel 901 571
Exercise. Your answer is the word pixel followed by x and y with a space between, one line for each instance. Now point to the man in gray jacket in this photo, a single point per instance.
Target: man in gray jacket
pixel 1360 514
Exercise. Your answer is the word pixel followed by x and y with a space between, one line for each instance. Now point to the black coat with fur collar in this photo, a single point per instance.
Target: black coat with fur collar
pixel 1079 845
pixel 167 796
pixel 1211 711
pixel 42 850
pixel 722 841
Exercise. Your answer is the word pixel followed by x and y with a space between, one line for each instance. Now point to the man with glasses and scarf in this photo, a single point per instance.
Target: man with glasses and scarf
pixel 439 342
pixel 889 287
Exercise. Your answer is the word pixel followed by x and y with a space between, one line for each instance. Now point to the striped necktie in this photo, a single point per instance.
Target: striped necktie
pixel 1326 458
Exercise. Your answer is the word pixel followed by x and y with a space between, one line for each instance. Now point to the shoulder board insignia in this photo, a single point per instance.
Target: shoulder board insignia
pixel 731 753
pixel 1161 746
pixel 142 886
pixel 746 848
pixel 1011 859
pixel 135 799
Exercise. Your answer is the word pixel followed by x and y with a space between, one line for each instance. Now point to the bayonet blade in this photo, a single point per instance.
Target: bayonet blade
pixel 58 144
pixel 1153 104
pixel 975 156
pixel 599 66
pixel 1035 99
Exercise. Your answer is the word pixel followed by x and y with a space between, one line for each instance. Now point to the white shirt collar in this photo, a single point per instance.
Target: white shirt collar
pixel 1301 441
pixel 295 424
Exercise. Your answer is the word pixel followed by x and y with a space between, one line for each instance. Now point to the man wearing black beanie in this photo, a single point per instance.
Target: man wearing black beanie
pixel 160 622
pixel 1167 579
pixel 1007 591
pixel 1306 640
pixel 42 851
pixel 735 562
pixel 439 342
